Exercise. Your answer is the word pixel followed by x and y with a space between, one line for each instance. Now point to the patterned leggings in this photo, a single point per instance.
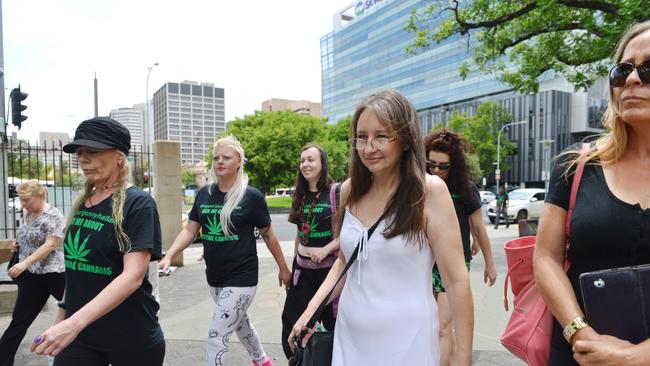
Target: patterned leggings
pixel 230 316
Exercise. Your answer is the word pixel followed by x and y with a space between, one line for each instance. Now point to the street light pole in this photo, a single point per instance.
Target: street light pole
pixel 498 171
pixel 145 130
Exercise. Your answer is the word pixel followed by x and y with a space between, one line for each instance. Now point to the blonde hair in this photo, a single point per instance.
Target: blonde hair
pixel 613 143
pixel 236 193
pixel 117 208
pixel 31 187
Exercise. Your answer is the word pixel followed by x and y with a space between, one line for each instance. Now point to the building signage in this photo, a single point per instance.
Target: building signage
pixel 362 5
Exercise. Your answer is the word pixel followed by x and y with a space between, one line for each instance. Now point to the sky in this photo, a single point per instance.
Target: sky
pixel 255 50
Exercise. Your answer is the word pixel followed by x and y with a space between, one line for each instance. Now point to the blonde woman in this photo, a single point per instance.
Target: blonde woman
pixel 610 224
pixel 109 314
pixel 228 210
pixel 39 271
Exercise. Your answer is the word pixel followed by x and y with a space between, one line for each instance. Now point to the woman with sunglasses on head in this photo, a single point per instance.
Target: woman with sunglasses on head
pixel 446 159
pixel 228 211
pixel 610 224
pixel 315 251
pixel 386 313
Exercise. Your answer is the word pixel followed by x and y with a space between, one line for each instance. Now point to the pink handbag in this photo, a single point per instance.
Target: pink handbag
pixel 529 330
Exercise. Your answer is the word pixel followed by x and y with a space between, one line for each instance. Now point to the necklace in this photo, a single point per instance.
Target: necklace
pixel 305 228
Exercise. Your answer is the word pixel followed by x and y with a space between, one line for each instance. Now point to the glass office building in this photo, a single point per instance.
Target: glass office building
pixel 366 52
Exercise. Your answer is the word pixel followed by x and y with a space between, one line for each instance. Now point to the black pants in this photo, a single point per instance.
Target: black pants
pixel 78 355
pixel 33 292
pixel 298 298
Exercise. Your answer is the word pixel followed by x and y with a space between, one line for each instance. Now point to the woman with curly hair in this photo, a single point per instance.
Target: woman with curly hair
pixel 446 159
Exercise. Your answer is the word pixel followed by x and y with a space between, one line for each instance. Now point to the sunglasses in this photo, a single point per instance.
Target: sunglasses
pixel 619 73
pixel 431 165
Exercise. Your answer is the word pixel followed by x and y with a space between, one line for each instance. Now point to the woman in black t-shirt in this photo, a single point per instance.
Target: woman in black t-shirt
pixel 228 211
pixel 446 159
pixel 610 224
pixel 113 232
pixel 314 251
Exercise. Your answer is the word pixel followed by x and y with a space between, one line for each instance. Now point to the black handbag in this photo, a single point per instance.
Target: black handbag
pixel 318 351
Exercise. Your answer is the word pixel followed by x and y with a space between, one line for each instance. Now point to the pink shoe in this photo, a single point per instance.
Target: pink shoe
pixel 265 362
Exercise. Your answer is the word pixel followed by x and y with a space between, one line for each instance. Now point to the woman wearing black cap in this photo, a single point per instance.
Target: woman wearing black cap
pixel 108 315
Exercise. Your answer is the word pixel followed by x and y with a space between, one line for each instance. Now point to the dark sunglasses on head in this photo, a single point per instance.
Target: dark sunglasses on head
pixel 619 73
pixel 442 166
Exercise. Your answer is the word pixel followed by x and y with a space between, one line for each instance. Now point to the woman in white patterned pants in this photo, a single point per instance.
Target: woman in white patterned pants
pixel 231 316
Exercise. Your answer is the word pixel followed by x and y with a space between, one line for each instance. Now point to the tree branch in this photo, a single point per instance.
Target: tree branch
pixel 465 26
pixel 566 27
pixel 591 4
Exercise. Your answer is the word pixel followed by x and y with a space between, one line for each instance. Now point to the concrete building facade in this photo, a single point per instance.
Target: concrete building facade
pixel 189 112
pixel 133 119
pixel 303 107
pixel 366 52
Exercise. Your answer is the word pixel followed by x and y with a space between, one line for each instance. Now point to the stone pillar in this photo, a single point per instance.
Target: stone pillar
pixel 167 192
pixel 7 292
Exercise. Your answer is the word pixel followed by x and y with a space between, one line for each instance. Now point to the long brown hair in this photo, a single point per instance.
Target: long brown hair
pixel 613 144
pixel 302 186
pixel 405 210
pixel 452 144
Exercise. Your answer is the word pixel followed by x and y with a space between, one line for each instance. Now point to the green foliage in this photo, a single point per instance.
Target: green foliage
pixel 272 142
pixel 279 202
pixel 520 40
pixel 481 132
pixel 187 178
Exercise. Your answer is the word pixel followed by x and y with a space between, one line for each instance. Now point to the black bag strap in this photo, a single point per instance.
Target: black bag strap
pixel 353 257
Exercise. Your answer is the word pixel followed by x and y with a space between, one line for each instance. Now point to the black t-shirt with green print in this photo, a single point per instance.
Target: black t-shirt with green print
pixel 320 232
pixel 93 260
pixel 231 260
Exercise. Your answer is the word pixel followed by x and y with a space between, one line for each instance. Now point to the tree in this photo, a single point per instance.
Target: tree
pixel 272 142
pixel 520 40
pixel 481 132
pixel 187 178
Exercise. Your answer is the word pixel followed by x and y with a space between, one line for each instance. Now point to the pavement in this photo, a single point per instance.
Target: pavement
pixel 187 308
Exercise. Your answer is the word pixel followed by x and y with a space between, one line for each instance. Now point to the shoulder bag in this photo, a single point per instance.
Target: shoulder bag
pixel 529 330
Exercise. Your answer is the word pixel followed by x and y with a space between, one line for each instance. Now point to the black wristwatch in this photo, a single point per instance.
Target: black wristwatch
pixel 61 304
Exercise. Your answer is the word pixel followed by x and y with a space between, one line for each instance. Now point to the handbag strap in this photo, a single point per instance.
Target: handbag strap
pixel 353 257
pixel 584 152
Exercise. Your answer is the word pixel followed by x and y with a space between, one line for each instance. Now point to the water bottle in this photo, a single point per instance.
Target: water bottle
pixel 50 360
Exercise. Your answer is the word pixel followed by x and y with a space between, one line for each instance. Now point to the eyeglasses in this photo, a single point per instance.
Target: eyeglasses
pixel 619 73
pixel 431 165
pixel 359 143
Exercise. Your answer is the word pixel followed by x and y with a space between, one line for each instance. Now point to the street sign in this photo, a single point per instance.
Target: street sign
pixel 497 174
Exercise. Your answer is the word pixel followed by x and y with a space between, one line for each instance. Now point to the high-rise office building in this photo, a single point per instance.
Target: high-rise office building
pixel 192 113
pixel 303 107
pixel 133 119
pixel 366 52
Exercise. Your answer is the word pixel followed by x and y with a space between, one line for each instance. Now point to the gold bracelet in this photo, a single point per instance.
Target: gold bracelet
pixel 574 326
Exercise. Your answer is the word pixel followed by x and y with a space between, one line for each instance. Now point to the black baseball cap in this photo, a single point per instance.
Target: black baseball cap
pixel 101 133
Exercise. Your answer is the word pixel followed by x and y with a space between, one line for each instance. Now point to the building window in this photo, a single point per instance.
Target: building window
pixel 172 87
pixel 208 91
pixel 185 89
pixel 196 90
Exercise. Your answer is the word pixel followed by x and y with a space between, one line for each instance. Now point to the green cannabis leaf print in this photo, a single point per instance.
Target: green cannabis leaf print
pixel 73 250
pixel 214 226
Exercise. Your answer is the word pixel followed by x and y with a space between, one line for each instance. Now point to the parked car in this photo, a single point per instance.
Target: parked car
pixel 487 197
pixel 524 203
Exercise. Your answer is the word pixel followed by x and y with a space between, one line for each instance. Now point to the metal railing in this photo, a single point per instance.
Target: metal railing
pixel 59 172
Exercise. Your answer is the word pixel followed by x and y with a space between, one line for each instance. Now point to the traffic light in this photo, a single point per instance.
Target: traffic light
pixel 17 107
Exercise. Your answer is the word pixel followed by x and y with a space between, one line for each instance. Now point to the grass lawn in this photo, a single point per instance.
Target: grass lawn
pixel 279 202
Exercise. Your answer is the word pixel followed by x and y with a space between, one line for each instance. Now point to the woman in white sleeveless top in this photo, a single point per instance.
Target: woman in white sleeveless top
pixel 387 314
